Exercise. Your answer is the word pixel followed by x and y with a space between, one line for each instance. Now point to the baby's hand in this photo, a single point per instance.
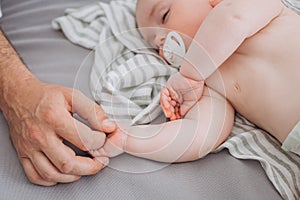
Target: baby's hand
pixel 113 146
pixel 179 95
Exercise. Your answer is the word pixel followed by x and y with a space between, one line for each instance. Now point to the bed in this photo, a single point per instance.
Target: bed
pixel 52 58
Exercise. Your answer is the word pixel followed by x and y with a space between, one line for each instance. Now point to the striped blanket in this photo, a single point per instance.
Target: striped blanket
pixel 127 76
pixel 246 141
pixel 293 4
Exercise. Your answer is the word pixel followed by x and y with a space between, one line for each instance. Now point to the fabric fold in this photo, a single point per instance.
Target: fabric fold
pixel 127 74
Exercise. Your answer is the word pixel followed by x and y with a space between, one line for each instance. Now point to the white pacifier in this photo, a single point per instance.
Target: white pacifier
pixel 174 49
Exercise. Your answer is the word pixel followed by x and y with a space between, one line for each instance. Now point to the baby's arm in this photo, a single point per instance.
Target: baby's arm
pixel 223 31
pixel 203 129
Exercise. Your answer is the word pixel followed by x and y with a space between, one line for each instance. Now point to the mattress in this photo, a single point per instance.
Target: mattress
pixel 0 10
pixel 53 59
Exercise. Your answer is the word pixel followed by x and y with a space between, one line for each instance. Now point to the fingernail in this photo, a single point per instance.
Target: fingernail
pixel 103 160
pixel 108 123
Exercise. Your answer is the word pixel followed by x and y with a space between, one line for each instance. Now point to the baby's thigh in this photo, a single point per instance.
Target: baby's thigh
pixel 209 103
pixel 215 115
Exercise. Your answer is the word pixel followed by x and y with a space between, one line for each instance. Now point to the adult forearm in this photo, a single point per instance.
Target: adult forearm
pixel 13 72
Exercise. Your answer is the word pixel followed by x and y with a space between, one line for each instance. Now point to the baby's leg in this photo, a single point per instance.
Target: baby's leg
pixel 113 146
pixel 202 130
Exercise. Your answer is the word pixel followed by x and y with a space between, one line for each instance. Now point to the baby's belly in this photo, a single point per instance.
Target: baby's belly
pixel 262 79
pixel 266 94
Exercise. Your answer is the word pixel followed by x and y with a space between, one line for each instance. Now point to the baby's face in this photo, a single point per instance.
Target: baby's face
pixel 156 18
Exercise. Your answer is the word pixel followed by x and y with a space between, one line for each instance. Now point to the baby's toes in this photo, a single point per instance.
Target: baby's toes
pixel 103 160
pixel 98 153
pixel 112 149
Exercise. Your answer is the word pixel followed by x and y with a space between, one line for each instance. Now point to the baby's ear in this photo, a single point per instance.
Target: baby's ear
pixel 213 3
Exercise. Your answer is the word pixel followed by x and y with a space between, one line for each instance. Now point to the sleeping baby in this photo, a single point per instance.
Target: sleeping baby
pixel 233 55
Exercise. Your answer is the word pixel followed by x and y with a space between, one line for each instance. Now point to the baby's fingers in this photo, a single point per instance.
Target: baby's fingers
pixel 165 102
pixel 177 112
pixel 213 3
pixel 176 97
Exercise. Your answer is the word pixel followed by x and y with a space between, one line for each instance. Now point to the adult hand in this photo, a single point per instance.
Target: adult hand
pixel 40 118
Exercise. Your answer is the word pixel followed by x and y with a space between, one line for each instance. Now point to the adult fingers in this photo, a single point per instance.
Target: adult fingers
pixel 49 172
pixel 92 112
pixel 33 175
pixel 67 162
pixel 79 134
pixel 109 149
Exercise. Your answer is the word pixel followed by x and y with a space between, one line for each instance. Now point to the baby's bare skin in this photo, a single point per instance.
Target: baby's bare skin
pixel 256 75
pixel 262 78
pixel 256 55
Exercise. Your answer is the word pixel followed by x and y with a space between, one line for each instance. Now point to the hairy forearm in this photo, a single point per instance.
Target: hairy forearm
pixel 223 31
pixel 12 71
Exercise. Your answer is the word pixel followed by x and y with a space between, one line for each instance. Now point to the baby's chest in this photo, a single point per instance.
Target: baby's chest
pixel 273 41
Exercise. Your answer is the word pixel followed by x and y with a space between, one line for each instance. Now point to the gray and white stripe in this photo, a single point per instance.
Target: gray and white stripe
pixel 282 168
pixel 127 75
pixel 293 4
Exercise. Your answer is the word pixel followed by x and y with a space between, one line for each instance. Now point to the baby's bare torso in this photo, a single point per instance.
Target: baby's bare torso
pixel 262 78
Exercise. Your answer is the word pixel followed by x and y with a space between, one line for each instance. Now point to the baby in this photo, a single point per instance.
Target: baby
pixel 247 53
pixel 257 60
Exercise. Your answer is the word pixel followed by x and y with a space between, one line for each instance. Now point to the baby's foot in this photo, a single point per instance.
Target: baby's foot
pixel 113 146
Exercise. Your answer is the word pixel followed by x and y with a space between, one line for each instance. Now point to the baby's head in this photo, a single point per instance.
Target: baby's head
pixel 156 18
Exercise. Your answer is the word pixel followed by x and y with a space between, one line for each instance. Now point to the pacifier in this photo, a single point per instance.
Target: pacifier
pixel 174 49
